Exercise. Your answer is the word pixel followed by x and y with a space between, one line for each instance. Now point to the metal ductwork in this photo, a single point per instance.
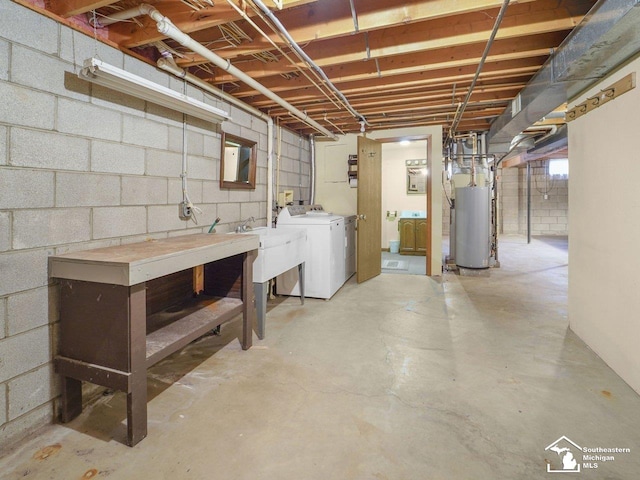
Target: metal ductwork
pixel 550 146
pixel 606 37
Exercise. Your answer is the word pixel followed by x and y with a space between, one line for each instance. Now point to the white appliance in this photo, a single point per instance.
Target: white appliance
pixel 325 254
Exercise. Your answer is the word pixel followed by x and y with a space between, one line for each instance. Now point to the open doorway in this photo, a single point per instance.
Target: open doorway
pixel 404 206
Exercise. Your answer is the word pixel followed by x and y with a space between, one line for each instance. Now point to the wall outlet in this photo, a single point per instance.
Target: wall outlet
pixel 184 211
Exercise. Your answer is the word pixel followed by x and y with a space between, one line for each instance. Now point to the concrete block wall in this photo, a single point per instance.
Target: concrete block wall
pixel 295 166
pixel 84 167
pixel 509 200
pixel 549 216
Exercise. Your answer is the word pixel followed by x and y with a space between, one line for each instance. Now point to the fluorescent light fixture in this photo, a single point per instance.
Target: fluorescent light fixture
pixel 97 71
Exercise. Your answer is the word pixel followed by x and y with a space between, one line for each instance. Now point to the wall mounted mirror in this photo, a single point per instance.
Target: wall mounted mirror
pixel 416 177
pixel 237 162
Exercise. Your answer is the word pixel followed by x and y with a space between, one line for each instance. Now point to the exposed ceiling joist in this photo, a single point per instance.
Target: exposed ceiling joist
pixel 400 62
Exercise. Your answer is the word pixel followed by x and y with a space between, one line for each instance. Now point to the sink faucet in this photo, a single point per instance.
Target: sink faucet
pixel 243 227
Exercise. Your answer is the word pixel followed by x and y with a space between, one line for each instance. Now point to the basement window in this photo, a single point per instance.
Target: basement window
pixel 559 167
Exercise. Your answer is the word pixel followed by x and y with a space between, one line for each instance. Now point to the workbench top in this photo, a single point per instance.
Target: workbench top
pixel 139 262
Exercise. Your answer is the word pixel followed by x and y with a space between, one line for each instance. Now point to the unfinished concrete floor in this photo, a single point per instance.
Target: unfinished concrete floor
pixel 403 377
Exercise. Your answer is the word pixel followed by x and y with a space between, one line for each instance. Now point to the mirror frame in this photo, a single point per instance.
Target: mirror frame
pixel 412 165
pixel 251 181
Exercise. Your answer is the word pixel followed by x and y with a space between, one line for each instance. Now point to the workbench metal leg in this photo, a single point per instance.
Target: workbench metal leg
pixel 261 290
pixel 137 396
pixel 248 300
pixel 71 398
pixel 301 280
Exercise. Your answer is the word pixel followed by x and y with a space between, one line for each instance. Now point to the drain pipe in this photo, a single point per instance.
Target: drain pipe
pixel 166 27
pixel 312 174
pixel 167 64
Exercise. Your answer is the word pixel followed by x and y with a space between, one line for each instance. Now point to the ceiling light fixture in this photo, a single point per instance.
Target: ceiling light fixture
pixel 96 71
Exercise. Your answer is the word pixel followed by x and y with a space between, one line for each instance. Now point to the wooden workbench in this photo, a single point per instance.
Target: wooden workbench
pixel 125 308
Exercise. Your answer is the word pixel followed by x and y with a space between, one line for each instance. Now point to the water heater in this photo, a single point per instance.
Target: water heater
pixel 473 247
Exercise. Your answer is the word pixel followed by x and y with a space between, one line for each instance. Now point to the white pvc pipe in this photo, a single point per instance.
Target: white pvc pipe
pixel 166 27
pixel 312 175
pixel 278 151
pixel 105 20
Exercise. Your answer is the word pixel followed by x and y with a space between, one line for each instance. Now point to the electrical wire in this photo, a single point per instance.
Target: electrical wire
pixel 547 189
pixel 183 175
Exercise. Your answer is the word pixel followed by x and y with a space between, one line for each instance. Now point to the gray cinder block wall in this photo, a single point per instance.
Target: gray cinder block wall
pixel 84 167
pixel 295 166
pixel 509 200
pixel 549 216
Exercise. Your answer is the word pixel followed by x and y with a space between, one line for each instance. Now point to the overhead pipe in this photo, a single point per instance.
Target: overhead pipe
pixel 278 157
pixel 166 27
pixel 460 111
pixel 104 21
pixel 307 59
pixel 251 22
pixel 312 174
pixel 354 15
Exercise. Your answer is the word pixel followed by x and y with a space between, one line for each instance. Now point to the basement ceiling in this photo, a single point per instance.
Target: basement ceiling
pixel 398 63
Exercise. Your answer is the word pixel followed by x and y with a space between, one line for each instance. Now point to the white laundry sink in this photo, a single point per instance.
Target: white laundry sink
pixel 280 249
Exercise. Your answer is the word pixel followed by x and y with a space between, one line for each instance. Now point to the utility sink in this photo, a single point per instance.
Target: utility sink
pixel 280 250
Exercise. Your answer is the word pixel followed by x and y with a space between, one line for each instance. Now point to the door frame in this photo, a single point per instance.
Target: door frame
pixel 429 197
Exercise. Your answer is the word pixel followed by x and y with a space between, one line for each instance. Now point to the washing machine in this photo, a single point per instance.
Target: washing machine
pixel 325 251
